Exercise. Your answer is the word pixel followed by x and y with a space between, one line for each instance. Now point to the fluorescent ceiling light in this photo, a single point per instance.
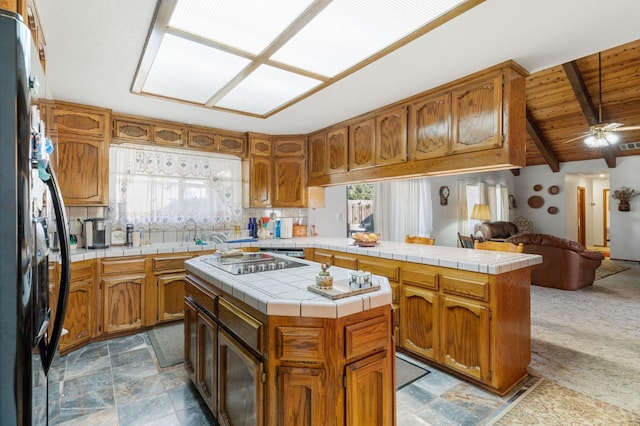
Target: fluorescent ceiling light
pixel 258 57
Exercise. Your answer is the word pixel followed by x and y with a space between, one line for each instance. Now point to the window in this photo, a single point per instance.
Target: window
pixel 161 188
pixel 360 207
pixel 475 192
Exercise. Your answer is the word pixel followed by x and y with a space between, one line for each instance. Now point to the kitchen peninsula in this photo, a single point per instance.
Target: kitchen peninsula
pixel 263 349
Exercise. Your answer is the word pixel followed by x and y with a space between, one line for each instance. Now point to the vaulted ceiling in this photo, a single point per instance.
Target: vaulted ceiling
pixel 93 49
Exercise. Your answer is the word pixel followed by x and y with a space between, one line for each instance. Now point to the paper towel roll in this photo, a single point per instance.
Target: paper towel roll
pixel 286 227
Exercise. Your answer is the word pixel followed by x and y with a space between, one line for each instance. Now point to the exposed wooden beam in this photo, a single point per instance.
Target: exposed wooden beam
pixel 582 94
pixel 541 143
pixel 609 155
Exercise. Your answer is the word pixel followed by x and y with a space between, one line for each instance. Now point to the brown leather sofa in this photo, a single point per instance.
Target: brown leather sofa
pixel 566 264
pixel 498 230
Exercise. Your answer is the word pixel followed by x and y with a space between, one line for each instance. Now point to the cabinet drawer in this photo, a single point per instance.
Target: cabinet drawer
pixel 323 257
pixel 301 344
pixel 428 279
pixel 465 286
pixel 378 268
pixel 241 324
pixel 169 263
pixel 366 337
pixel 344 261
pixel 122 266
pixel 81 270
pixel 206 301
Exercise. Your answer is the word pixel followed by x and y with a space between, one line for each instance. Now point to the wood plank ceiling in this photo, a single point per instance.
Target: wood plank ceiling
pixel 562 103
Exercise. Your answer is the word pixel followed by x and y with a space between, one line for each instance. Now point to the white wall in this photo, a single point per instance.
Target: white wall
pixel 331 221
pixel 625 226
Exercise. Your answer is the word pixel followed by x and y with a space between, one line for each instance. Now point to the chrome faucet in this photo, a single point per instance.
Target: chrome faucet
pixel 195 231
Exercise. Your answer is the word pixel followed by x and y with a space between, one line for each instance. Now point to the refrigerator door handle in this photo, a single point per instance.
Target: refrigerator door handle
pixel 48 350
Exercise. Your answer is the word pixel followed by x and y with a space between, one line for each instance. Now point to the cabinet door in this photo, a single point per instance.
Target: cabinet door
pixel 79 314
pixel 229 144
pixel 260 181
pixel 203 139
pixel 338 147
pixel 477 115
pixel 318 154
pixel 391 133
pixel 289 146
pixel 430 127
pixel 419 318
pixel 122 300
pixel 169 135
pixel 240 384
pixel 190 339
pixel 206 370
pixel 300 396
pixel 83 170
pixel 370 392
pixel 260 145
pixel 465 336
pixel 170 296
pixel 130 130
pixel 362 150
pixel 290 182
pixel 81 120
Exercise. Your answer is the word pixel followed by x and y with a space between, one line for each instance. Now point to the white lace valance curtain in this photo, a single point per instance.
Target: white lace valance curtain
pixel 161 188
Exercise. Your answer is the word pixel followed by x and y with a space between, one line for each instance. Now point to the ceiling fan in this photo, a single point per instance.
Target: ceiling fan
pixel 602 134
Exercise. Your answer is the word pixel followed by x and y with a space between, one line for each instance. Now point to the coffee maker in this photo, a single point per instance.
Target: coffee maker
pixel 97 233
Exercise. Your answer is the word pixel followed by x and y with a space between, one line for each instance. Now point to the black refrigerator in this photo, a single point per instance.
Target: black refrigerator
pixel 31 208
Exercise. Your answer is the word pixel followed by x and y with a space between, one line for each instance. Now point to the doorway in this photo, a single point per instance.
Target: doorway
pixel 605 217
pixel 582 215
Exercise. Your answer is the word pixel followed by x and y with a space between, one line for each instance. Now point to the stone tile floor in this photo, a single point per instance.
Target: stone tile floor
pixel 118 382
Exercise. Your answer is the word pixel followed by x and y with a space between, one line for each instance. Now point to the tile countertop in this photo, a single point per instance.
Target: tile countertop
pixel 284 292
pixel 489 262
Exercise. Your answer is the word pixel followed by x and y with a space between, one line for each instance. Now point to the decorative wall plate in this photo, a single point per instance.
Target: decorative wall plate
pixel 553 190
pixel 535 202
pixel 552 210
pixel 537 187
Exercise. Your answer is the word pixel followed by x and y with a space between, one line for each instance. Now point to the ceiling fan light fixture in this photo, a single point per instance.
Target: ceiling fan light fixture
pixel 612 137
pixel 593 141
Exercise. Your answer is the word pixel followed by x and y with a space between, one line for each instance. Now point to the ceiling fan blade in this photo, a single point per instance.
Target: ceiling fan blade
pixel 576 138
pixel 625 128
pixel 610 126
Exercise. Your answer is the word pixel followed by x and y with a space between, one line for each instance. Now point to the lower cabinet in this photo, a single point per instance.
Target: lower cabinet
pixel 123 285
pixel 275 370
pixel 79 317
pixel 170 296
pixel 420 337
pixel 240 384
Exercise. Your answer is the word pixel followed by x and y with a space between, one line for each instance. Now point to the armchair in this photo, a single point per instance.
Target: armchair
pixel 566 264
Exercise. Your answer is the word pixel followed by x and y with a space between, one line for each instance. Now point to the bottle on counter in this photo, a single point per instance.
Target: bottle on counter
pixel 277 231
pixel 129 237
pixel 253 227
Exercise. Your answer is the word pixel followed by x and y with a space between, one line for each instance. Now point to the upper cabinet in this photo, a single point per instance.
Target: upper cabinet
pixel 430 124
pixel 328 152
pixel 477 115
pixel 133 129
pixel 391 136
pixel 83 153
pixel 471 124
pixel 362 144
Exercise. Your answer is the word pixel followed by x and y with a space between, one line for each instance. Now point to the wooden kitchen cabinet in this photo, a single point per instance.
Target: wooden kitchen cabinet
pixel 369 392
pixel 338 147
pixel 169 134
pixel 477 115
pixel 169 275
pixel 472 324
pixel 260 181
pixel 430 127
pixel 362 144
pixel 289 182
pixel 79 317
pixel 318 154
pixel 123 284
pixel 231 144
pixel 391 137
pixel 83 170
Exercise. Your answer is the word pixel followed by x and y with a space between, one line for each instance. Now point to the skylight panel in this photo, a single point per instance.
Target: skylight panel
pixel 190 71
pixel 347 32
pixel 249 25
pixel 265 89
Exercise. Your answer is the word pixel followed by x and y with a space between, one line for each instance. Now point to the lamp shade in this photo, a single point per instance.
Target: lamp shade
pixel 480 212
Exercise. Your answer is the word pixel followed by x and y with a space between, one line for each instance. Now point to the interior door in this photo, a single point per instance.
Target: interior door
pixel 581 215
pixel 605 217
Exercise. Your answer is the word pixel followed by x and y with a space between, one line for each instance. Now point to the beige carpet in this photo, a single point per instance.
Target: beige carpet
pixel 549 404
pixel 589 340
pixel 609 267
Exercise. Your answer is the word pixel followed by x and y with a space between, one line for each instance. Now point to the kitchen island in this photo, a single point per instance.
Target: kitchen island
pixel 263 349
